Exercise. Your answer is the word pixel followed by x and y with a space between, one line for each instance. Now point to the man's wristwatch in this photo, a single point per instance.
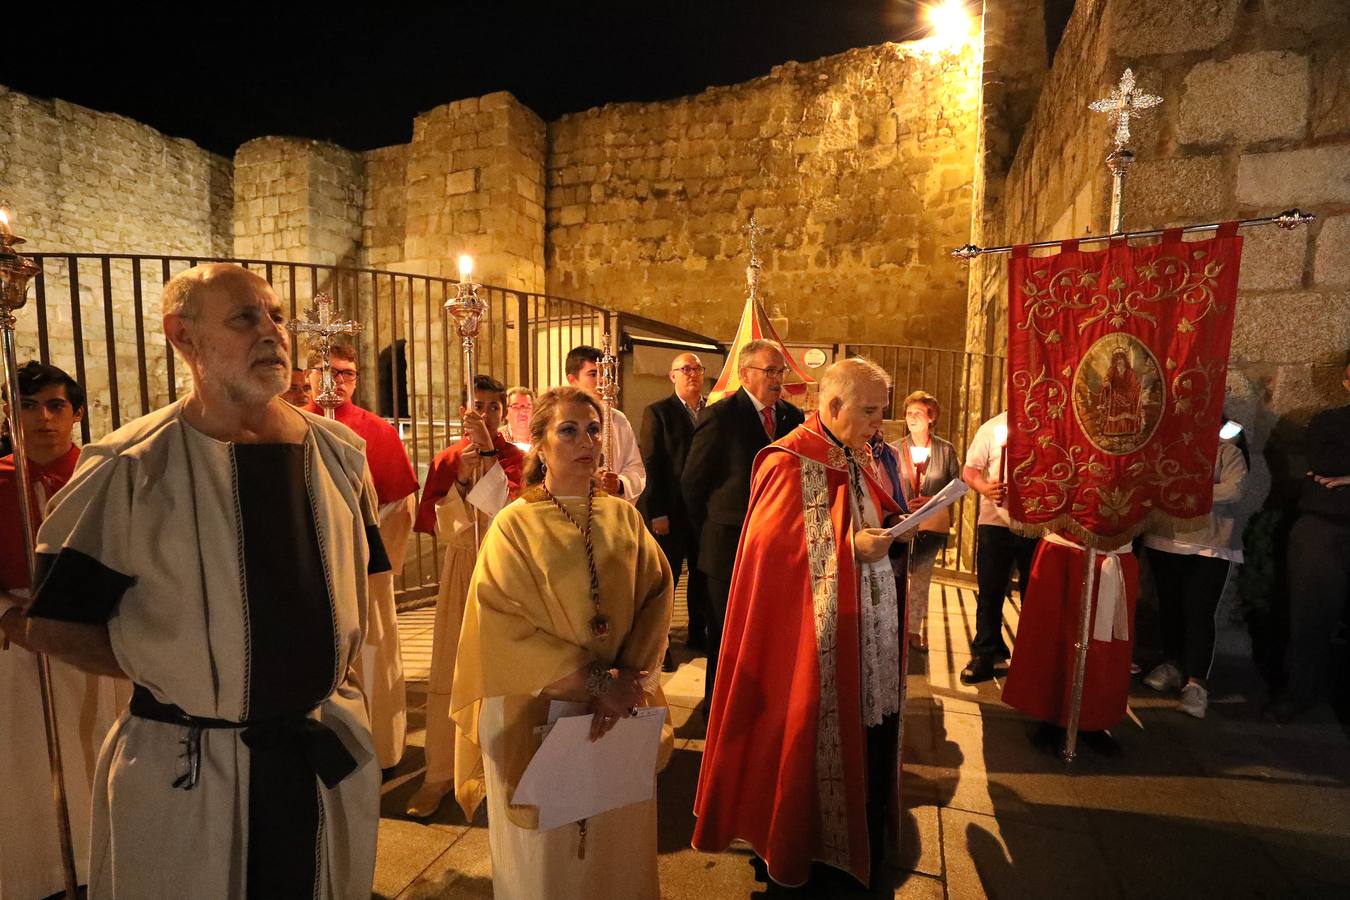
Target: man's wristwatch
pixel 492 452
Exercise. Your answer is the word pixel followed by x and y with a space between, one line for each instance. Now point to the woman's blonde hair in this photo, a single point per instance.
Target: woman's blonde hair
pixel 545 408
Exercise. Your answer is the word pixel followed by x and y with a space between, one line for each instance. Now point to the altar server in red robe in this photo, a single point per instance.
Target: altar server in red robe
pixel 1040 678
pixel 381 662
pixel 802 752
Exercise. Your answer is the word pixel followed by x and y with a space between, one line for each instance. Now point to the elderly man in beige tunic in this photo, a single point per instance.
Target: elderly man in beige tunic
pixel 217 554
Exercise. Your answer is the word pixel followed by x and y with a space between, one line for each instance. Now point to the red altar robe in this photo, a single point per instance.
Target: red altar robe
pixel 771 774
pixel 1040 677
pixel 388 461
pixel 43 483
pixel 444 472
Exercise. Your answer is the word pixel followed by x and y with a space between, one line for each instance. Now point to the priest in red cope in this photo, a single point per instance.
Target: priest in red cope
pixel 381 668
pixel 802 752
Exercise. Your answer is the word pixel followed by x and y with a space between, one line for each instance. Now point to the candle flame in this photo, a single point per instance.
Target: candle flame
pixel 4 216
pixel 1001 435
pixel 918 455
pixel 465 267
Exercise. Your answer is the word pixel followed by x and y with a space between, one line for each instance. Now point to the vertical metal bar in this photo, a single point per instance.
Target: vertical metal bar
pixel 1080 660
pixel 394 356
pixel 138 307
pixel 412 402
pixel 447 393
pixel 44 339
pixel 168 347
pixel 111 342
pixel 432 449
pixel 294 300
pixel 966 564
pixel 77 337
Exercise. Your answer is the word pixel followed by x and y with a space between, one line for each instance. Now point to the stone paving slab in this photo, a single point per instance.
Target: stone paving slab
pixel 1229 806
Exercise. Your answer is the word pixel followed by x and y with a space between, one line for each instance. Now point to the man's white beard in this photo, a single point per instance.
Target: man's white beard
pixel 247 387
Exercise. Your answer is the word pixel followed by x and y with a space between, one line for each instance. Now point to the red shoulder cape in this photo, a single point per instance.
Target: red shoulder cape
pixel 444 471
pixel 769 776
pixel 388 461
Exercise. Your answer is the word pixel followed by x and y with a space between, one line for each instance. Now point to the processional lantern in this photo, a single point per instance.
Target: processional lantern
pixel 607 386
pixel 468 310
pixel 16 271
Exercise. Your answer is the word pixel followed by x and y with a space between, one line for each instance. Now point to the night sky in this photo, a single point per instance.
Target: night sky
pixel 359 79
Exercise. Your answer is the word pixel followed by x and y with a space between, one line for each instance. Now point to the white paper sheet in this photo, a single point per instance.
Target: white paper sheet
pixel 950 493
pixel 571 777
pixel 491 492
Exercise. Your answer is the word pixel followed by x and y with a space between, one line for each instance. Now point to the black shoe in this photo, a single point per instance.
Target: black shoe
pixel 979 669
pixel 668 664
pixel 1100 742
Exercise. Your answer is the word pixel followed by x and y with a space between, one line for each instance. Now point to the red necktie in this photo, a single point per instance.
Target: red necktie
pixel 767 413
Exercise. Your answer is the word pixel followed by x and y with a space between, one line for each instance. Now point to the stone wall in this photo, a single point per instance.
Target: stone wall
pixel 1255 119
pixel 81 180
pixel 859 167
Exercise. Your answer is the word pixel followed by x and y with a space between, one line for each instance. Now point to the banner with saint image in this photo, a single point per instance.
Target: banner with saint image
pixel 1116 367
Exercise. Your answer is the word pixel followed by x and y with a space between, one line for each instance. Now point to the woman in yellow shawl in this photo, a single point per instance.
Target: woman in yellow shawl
pixel 570 601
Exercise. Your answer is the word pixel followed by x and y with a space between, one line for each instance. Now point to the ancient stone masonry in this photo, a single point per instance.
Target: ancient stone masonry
pixel 1256 119
pixel 858 165
pixel 85 181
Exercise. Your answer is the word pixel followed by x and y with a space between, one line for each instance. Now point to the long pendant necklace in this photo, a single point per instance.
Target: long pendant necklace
pixel 600 622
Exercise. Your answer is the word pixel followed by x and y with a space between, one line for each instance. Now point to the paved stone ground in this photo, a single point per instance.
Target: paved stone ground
pixel 1230 806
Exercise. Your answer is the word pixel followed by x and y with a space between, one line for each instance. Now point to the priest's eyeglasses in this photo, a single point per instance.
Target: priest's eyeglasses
pixel 690 371
pixel 770 371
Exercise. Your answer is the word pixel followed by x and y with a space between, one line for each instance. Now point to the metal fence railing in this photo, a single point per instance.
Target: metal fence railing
pixel 969 387
pixel 98 317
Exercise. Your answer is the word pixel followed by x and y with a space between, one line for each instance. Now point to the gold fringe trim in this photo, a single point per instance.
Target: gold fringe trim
pixel 1160 523
pixel 537 493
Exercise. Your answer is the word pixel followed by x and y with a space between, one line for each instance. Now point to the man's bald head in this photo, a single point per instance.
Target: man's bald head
pixel 686 373
pixel 184 293
pixel 853 398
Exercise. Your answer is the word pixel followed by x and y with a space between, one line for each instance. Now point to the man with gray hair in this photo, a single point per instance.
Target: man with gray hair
pixel 802 752
pixel 216 553
pixel 716 477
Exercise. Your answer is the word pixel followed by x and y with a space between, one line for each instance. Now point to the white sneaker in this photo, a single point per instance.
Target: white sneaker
pixel 1194 700
pixel 1165 677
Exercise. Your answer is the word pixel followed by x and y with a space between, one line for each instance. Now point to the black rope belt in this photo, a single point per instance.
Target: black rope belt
pixel 316 742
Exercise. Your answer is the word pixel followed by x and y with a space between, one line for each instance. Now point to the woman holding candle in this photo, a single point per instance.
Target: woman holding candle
pixel 927 464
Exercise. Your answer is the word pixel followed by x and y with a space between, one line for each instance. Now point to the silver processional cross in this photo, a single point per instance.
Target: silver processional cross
pixel 320 322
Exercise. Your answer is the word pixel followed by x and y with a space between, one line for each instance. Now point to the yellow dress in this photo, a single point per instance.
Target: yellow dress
pixel 526 626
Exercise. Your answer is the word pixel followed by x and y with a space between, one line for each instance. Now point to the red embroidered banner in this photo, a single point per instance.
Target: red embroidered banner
pixel 1116 368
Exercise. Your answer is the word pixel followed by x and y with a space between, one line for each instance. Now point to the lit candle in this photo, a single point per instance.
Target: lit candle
pixel 4 223
pixel 465 267
pixel 1001 438
pixel 918 455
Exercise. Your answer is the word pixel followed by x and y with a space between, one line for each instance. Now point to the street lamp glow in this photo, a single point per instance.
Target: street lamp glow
pixel 950 21
pixel 465 267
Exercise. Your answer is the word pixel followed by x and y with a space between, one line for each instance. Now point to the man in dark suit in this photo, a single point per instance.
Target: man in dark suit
pixel 716 478
pixel 667 428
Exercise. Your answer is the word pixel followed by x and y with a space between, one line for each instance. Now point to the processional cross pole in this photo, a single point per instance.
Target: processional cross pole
pixel 607 386
pixel 320 323
pixel 1121 105
pixel 16 271
pixel 754 229
pixel 468 310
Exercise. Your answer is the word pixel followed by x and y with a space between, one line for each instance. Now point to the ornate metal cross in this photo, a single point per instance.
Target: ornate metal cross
pixel 1123 103
pixel 319 321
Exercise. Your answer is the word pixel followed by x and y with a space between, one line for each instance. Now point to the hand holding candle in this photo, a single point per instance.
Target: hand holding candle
pixel 1001 438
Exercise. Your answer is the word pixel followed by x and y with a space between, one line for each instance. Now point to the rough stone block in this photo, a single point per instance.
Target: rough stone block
pixel 1331 264
pixel 1331 113
pixel 572 215
pixel 1149 27
pixel 1305 15
pixel 1272 259
pixel 1291 177
pixel 464 182
pixel 1306 327
pixel 1172 191
pixel 1251 97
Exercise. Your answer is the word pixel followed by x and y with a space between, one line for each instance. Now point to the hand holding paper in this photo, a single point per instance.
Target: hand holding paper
pixel 944 498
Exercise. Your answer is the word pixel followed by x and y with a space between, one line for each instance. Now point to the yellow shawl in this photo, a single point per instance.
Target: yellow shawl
pixel 527 625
